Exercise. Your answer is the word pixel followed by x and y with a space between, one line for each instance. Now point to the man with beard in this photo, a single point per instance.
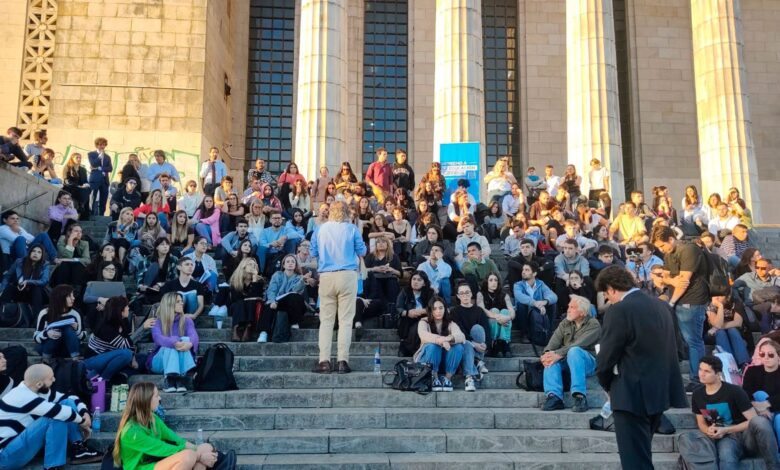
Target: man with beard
pixel 33 416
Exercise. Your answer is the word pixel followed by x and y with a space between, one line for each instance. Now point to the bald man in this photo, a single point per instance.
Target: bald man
pixel 33 415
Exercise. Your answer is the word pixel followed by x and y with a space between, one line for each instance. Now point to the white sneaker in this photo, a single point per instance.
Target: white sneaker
pixel 214 312
pixel 482 368
pixel 263 338
pixel 223 311
pixel 295 326
pixel 470 385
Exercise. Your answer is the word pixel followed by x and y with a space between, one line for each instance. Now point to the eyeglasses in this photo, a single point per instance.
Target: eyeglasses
pixel 769 355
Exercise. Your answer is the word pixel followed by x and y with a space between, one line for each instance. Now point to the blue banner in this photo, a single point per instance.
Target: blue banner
pixel 460 161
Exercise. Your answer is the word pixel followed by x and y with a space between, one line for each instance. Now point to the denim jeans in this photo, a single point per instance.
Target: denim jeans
pixel 732 342
pixel 691 319
pixel 204 230
pixel 757 440
pixel 51 435
pixel 502 332
pixel 170 361
pixel 579 363
pixel 68 343
pixel 435 355
pixel 470 354
pixel 263 251
pixel 109 363
pixel 19 246
pixel 445 291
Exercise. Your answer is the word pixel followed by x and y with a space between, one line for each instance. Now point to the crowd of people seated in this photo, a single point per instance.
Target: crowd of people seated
pixel 429 271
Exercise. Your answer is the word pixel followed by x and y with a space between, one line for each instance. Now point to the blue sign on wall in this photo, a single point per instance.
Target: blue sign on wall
pixel 460 161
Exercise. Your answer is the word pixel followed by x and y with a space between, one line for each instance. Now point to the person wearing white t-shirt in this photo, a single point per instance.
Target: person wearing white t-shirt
pixel 598 179
pixel 553 182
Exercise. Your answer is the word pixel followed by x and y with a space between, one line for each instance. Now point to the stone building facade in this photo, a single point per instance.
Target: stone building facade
pixel 665 92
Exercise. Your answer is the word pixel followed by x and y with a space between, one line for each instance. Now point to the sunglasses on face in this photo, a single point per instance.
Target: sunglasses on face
pixel 763 355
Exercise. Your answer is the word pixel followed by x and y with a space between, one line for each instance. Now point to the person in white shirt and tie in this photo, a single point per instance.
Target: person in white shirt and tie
pixel 212 172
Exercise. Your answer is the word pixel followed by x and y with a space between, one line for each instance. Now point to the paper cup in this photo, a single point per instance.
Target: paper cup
pixel 219 324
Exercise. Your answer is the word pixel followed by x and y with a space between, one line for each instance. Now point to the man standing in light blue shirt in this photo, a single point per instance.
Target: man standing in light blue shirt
pixel 338 246
pixel 160 167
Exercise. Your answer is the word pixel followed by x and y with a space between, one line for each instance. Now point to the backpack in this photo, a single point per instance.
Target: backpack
pixel 697 451
pixel 214 372
pixel 70 378
pixel 13 315
pixel 411 376
pixel 16 362
pixel 107 463
pixel 539 327
pixel 717 274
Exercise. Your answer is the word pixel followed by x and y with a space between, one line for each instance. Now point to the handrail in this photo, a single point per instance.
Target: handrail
pixel 27 202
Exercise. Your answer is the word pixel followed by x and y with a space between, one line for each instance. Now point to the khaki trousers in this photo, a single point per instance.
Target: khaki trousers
pixel 338 293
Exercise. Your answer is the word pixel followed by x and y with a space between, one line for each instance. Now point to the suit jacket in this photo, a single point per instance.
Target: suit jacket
pixel 99 170
pixel 638 337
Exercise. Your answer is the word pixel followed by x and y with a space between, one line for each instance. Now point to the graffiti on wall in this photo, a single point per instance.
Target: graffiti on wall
pixel 186 163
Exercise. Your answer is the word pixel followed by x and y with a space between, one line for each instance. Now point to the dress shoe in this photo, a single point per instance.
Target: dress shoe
pixel 322 367
pixel 343 368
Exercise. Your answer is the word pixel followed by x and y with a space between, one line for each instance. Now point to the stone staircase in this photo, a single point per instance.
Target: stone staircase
pixel 285 416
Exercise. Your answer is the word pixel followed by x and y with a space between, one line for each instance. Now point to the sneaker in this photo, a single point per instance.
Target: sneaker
pixel 436 385
pixel 169 384
pixel 263 338
pixel 180 387
pixel 215 311
pixel 446 384
pixel 692 386
pixel 580 403
pixel 81 453
pixel 552 403
pixel 482 368
pixel 471 385
pixel 295 326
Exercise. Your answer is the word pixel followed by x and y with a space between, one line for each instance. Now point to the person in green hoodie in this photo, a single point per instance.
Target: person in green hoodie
pixel 144 442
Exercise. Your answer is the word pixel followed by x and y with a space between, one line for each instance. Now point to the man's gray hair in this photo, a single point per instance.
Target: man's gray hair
pixel 583 304
pixel 339 212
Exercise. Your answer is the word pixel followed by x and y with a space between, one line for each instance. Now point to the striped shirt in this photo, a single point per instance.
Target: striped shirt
pixel 108 338
pixel 21 407
pixel 41 335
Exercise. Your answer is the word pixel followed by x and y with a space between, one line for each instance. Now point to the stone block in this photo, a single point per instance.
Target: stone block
pixel 385 440
pixel 445 418
pixel 387 398
pixel 502 441
pixel 271 442
pixel 420 461
pixel 507 398
pixel 289 398
pixel 592 442
pixel 331 461
pixel 334 418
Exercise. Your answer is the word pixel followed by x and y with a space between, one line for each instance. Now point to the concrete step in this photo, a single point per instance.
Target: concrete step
pixel 361 398
pixel 357 363
pixel 453 441
pixel 383 418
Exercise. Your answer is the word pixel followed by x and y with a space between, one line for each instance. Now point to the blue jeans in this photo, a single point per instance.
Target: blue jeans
pixel 19 246
pixel 445 291
pixel 579 363
pixel 757 440
pixel 109 363
pixel 732 342
pixel 68 343
pixel 204 230
pixel 691 319
pixel 434 355
pixel 170 361
pixel 470 354
pixel 51 435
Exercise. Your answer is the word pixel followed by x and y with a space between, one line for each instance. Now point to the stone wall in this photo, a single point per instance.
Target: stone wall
pixel 422 44
pixel 18 187
pixel 131 71
pixel 660 33
pixel 15 13
pixel 760 19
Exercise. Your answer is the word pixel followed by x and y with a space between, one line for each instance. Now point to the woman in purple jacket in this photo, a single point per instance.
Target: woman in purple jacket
pixel 177 343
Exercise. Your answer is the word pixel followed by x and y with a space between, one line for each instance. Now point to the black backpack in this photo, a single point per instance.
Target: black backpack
pixel 16 362
pixel 70 378
pixel 539 327
pixel 411 376
pixel 13 315
pixel 717 274
pixel 214 372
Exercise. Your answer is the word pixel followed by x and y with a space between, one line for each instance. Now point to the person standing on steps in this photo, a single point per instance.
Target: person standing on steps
pixel 338 245
pixel 642 379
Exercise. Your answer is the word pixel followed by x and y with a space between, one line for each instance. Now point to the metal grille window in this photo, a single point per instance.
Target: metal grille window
pixel 270 83
pixel 499 35
pixel 384 77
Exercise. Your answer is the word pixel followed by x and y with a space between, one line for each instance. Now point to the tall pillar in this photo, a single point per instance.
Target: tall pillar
pixel 592 107
pixel 726 148
pixel 321 112
pixel 459 91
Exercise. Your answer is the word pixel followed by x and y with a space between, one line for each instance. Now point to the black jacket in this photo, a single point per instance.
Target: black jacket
pixel 638 337
pixel 123 199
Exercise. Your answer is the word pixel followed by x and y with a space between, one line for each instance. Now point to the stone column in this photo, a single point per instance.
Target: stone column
pixel 726 149
pixel 592 108
pixel 322 100
pixel 459 92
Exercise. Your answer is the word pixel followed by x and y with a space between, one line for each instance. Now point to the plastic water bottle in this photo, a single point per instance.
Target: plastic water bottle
pixel 96 420
pixel 160 412
pixel 606 410
pixel 377 362
pixel 199 439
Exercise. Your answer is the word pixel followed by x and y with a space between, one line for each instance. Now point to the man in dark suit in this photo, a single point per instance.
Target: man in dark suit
pixel 637 364
pixel 99 176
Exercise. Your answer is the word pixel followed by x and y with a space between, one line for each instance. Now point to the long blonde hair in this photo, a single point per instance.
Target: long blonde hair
pixel 237 280
pixel 167 314
pixel 138 409
pixel 178 231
